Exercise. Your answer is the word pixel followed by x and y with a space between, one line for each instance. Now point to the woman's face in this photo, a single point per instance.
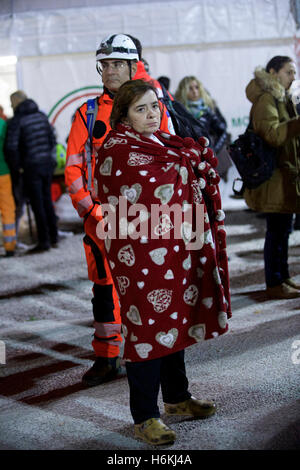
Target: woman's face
pixel 193 91
pixel 286 75
pixel 144 114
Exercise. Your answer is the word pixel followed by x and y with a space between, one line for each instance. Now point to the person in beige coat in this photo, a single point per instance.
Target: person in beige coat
pixel 275 119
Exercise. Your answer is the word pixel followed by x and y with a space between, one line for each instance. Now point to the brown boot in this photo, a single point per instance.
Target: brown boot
pixel 191 407
pixel 283 291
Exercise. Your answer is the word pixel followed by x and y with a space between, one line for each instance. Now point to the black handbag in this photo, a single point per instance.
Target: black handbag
pixel 254 159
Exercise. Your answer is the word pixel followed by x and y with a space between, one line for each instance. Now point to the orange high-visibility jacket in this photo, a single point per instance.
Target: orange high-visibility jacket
pixel 76 167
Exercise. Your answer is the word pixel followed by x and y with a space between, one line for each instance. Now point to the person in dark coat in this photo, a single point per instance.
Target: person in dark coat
pixel 192 94
pixel 28 149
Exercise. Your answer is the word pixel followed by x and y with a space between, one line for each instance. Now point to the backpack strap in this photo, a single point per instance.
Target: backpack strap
pixel 91 114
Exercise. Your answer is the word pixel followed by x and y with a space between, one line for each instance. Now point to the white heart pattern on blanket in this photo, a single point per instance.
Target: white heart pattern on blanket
pixel 123 283
pixel 164 226
pixel 143 349
pixel 222 319
pixel 207 302
pixel 168 166
pixel 126 228
pixel 105 168
pixel 144 215
pixel 216 275
pixel 126 255
pixel 197 332
pixel 133 193
pixel 190 295
pixel 160 299
pixel 186 232
pixel 158 255
pixel 167 339
pixel 184 174
pixel 134 315
pixel 133 337
pixel 113 141
pixel 169 274
pixel 164 192
pixel 113 200
pixel 187 263
pixel 137 159
pixel 208 239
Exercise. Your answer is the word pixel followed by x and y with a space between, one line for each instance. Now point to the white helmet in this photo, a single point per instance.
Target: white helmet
pixel 117 46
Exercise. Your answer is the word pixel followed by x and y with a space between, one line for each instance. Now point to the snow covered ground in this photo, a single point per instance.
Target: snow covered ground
pixel 46 329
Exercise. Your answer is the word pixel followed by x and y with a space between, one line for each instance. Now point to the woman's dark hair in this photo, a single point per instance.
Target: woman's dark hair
pixel 277 62
pixel 127 94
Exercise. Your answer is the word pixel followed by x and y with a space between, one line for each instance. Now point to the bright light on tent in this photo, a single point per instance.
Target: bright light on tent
pixel 8 60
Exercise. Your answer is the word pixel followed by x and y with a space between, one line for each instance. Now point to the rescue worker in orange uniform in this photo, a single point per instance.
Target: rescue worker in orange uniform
pixel 116 61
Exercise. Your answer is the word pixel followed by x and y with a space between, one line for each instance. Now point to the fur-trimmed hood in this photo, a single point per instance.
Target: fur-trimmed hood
pixel 264 82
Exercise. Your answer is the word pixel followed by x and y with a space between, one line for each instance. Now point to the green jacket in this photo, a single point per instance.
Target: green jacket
pixel 3 166
pixel 275 119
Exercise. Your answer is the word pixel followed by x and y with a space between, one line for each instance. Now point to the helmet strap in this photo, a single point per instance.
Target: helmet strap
pixel 130 69
pixel 109 93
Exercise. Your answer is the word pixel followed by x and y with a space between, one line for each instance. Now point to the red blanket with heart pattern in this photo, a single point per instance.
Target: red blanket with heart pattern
pixel 170 266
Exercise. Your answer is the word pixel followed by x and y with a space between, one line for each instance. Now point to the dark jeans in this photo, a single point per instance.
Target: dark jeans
pixel 146 377
pixel 279 227
pixel 38 191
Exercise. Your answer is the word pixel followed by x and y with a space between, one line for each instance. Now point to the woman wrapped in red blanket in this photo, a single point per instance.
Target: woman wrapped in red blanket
pixel 165 240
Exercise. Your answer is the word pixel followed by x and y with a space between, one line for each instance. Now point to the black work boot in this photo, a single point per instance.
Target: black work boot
pixel 103 370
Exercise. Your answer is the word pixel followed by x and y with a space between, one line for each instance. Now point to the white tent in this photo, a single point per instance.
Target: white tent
pixel 219 41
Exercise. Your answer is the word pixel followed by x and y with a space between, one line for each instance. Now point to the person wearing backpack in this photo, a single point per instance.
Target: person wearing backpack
pixel 275 119
pixel 116 61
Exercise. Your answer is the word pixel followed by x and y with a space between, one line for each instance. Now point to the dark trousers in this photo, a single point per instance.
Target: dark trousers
pixel 38 191
pixel 146 377
pixel 279 227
